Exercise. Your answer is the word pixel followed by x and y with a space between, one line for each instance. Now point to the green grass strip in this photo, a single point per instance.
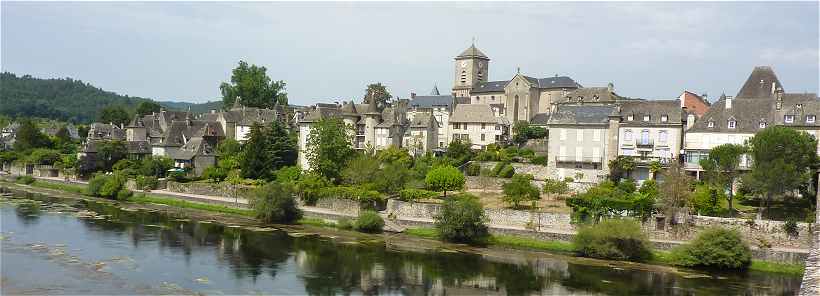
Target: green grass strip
pixel 73 188
pixel 148 199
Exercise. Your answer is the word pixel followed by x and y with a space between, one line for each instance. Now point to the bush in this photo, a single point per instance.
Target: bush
pixel 344 223
pixel 178 177
pixel 497 168
pixel 25 179
pixel 215 174
pixel 706 200
pixel 506 172
pixel 520 189
pixel 716 248
pixel 109 186
pixel 416 194
pixel 790 227
pixel 473 169
pixel 540 160
pixel 274 203
pixel 370 222
pixel 146 182
pixel 613 239
pixel 124 194
pixel 309 187
pixel 351 192
pixel 462 220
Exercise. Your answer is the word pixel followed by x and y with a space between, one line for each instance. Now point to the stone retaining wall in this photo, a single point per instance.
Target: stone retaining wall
pixel 342 206
pixel 217 189
pixel 501 217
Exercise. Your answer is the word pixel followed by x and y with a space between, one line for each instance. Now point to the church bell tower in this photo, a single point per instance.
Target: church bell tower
pixel 471 67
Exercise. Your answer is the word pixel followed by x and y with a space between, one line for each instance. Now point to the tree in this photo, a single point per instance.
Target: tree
pixel 254 163
pixel 520 189
pixel 114 114
pixel 523 131
pixel 395 155
pixel 462 219
pixel 267 150
pixel 329 148
pixel 109 153
pixel 29 137
pixel 62 136
pixel 156 166
pixel 230 154
pixel 619 166
pixel 782 158
pixel 148 107
pixel 555 187
pixel 721 167
pixel 459 152
pixel 444 178
pixel 674 190
pixel 376 92
pixel 252 85
pixel 275 203
pixel 282 148
pixel 362 170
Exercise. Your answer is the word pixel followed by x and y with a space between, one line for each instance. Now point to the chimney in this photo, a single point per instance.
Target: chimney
pixel 728 102
pixel 690 121
pixel 774 87
pixel 412 95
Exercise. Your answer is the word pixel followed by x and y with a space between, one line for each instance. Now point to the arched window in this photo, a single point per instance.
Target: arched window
pixel 463 76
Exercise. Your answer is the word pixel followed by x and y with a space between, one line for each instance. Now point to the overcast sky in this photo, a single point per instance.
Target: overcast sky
pixel 324 51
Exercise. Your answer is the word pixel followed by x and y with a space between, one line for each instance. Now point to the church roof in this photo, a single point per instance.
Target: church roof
pixel 472 52
pixel 760 84
pixel 491 86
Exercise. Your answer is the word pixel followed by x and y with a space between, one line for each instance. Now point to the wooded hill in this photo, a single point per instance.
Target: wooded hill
pixel 67 99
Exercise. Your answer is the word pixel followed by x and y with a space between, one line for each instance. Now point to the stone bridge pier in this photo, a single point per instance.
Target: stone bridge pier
pixel 811 279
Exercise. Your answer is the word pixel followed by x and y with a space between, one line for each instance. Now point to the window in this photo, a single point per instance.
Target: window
pixel 497 127
pixel 630 117
pixel 646 117
pixel 711 124
pixel 482 137
pixel 463 77
pixel 645 137
pixel 628 136
pixel 810 118
pixel 762 124
pixel 483 126
pixel 662 136
pixel 788 118
pixel 596 135
pixel 579 135
pixel 664 118
pixel 492 98
pixel 732 123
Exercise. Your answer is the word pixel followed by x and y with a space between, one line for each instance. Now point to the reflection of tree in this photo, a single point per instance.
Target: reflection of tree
pixel 28 212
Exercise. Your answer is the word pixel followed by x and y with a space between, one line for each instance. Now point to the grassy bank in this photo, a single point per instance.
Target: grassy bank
pixel 659 257
pixel 153 199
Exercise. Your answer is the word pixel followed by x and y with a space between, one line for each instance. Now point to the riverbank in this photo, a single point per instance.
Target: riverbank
pixel 317 218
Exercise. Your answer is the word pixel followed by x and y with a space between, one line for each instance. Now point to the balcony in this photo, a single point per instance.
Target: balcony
pixel 647 144
pixel 573 159
pixel 647 160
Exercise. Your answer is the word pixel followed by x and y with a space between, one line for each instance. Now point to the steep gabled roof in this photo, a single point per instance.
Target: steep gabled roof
pixel 472 52
pixel 430 101
pixel 656 109
pixel 582 114
pixel 480 113
pixel 762 83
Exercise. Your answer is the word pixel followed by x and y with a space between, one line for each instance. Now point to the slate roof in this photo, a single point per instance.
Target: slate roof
pixel 179 131
pixel 591 95
pixel 489 86
pixel 423 120
pixel 747 113
pixel 194 147
pixel 138 147
pixel 472 52
pixel 431 101
pixel 473 113
pixel 582 114
pixel 321 113
pixel 106 131
pixel 541 83
pixel 435 92
pixel 655 109
pixel 759 84
pixel 557 82
pixel 540 119
pixel 247 116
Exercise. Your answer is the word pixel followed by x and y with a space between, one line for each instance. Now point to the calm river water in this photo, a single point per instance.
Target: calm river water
pixel 79 247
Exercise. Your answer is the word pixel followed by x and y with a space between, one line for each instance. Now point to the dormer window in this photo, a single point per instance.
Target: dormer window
pixel 594 97
pixel 710 124
pixel 762 124
pixel 732 124
pixel 630 117
pixel 788 118
pixel 810 118
pixel 664 118
pixel 646 118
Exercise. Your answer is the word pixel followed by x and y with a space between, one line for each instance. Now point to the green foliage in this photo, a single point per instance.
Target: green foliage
pixel 473 169
pixel 126 167
pixel 43 156
pixel 329 148
pixel 706 200
pixel 716 248
pixel 267 150
pixel 344 223
pixel 148 107
pixel 252 85
pixel 114 114
pixel 540 160
pixel 274 203
pixel 507 171
pixel 215 174
pixel 610 200
pixel 790 227
pixel 459 152
pixel 721 167
pixel 444 178
pixel 395 155
pixel 288 174
pixel 783 158
pixel 520 189
pixel 523 132
pixel 146 182
pixel 674 191
pixel 109 153
pixel 369 221
pixel 392 178
pixel 555 187
pixel 376 92
pixel 309 186
pixel 26 179
pixel 29 137
pixel 416 194
pixel 620 166
pixel 362 195
pixel 156 166
pixel 64 99
pixel 109 186
pixel 613 239
pixel 362 170
pixel 462 220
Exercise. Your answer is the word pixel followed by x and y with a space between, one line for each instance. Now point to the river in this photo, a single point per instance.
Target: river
pixel 68 246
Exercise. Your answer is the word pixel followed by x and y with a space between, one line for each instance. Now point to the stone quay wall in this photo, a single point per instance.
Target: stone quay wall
pixel 218 189
pixel 499 217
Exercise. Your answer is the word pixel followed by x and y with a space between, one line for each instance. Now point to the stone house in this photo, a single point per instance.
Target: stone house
pixel 582 141
pixel 440 106
pixel 477 124
pixel 650 131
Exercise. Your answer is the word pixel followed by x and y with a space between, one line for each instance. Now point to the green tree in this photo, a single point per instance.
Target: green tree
pixel 674 191
pixel 462 219
pixel 230 154
pixel 555 187
pixel 620 166
pixel 520 189
pixel 62 136
pixel 392 178
pixel 252 85
pixel 156 166
pixel 361 170
pixel 329 148
pixel 267 150
pixel 109 153
pixel 459 152
pixel 444 178
pixel 114 114
pixel 29 137
pixel 376 92
pixel 522 132
pixel 395 155
pixel 148 107
pixel 721 167
pixel 274 203
pixel 783 158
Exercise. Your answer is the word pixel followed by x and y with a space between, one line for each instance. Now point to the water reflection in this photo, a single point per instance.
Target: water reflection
pixel 323 266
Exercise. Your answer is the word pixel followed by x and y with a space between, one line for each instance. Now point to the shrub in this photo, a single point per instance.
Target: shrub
pixel 274 203
pixel 95 184
pixel 351 192
pixel 444 178
pixel 177 176
pixel 486 156
pixel 309 186
pixel 520 189
pixel 370 222
pixel 714 247
pixel 146 182
pixel 25 179
pixel 124 194
pixel 506 172
pixel 473 169
pixel 215 174
pixel 706 200
pixel 540 160
pixel 416 194
pixel 498 167
pixel 790 227
pixel 344 223
pixel 613 239
pixel 462 219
